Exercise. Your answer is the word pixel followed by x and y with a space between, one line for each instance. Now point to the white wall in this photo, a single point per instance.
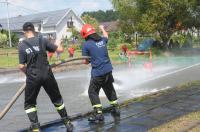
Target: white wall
pixel 77 21
pixel 62 30
pixel 48 29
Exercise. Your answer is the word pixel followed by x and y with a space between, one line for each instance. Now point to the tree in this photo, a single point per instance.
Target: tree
pixel 90 20
pixel 157 16
pixel 115 38
pixel 102 16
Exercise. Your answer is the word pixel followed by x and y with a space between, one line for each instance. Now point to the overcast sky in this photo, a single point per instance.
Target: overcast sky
pixel 24 7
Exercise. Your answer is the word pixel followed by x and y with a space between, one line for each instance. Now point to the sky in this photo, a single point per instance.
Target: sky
pixel 25 7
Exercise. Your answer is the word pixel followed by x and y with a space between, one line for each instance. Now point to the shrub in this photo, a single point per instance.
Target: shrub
pixel 3 40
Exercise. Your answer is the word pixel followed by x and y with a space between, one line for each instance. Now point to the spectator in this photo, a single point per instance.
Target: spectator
pixel 50 55
pixel 124 49
pixel 71 52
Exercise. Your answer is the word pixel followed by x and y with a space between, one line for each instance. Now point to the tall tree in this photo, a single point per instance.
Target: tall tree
pixel 90 20
pixel 157 16
pixel 102 16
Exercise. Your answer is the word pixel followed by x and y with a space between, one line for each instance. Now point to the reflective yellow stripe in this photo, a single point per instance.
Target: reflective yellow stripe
pixel 113 102
pixel 99 111
pixel 97 106
pixel 36 130
pixel 58 62
pixel 60 107
pixel 30 110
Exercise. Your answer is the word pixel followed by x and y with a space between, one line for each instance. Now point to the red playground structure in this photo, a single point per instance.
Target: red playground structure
pixel 134 53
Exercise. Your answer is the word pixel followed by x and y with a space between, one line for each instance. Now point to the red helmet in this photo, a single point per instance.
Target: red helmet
pixel 87 30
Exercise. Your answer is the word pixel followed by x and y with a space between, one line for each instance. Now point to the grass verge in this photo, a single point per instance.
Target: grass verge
pixel 10 60
pixel 186 123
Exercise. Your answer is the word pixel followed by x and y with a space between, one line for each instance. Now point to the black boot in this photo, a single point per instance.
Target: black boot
pixel 68 124
pixel 115 110
pixel 35 127
pixel 65 119
pixel 97 115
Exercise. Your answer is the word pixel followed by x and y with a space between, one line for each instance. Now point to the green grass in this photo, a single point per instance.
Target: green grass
pixel 185 123
pixel 189 122
pixel 114 55
pixel 9 60
pixel 64 55
pixel 8 50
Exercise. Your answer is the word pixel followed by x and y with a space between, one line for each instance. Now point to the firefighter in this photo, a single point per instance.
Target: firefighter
pixel 33 62
pixel 101 73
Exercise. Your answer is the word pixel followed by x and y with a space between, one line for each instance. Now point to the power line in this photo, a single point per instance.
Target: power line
pixel 20 11
pixel 11 22
pixel 33 10
pixel 8 18
pixel 6 2
pixel 20 7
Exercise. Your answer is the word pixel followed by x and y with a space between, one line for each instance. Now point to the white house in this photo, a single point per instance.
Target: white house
pixel 54 24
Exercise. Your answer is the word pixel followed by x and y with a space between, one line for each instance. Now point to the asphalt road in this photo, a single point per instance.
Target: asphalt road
pixel 73 85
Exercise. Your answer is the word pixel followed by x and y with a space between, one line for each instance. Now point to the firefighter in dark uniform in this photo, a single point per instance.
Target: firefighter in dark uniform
pixel 101 74
pixel 33 62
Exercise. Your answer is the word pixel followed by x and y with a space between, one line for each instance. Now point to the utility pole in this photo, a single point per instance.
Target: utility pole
pixel 72 26
pixel 8 24
pixel 136 39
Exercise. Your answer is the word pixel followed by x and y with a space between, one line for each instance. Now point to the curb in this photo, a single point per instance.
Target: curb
pixel 8 71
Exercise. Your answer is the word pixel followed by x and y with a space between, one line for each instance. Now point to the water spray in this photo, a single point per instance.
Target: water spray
pixel 22 88
pixel 147 65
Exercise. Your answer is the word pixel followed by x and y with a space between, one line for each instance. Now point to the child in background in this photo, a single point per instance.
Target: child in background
pixel 50 55
pixel 71 52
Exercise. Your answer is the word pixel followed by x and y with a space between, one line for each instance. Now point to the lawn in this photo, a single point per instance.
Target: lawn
pixel 10 60
pixel 189 123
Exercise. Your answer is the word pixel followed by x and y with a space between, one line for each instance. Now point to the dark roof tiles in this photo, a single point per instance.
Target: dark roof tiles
pixel 48 18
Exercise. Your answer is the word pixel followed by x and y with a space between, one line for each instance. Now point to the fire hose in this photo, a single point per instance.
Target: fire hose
pixel 20 91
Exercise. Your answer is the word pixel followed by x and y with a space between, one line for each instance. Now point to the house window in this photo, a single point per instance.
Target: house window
pixel 50 36
pixel 70 23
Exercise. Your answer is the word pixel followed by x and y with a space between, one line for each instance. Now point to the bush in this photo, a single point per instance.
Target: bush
pixel 14 38
pixel 112 43
pixel 76 46
pixel 157 51
pixel 3 40
pixel 180 39
pixel 115 38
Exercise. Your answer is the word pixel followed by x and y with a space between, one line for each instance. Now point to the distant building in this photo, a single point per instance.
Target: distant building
pixel 112 26
pixel 54 24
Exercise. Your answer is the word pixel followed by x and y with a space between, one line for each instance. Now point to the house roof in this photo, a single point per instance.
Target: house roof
pixel 51 18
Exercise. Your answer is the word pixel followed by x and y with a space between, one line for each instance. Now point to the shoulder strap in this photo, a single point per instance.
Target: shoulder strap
pixel 30 46
pixel 40 43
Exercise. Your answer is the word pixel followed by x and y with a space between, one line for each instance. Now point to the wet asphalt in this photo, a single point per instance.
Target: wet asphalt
pixel 140 116
pixel 130 83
